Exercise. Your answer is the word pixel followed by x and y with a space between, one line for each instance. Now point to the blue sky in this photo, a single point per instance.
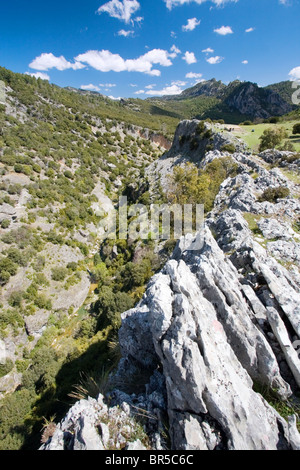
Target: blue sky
pixel 139 48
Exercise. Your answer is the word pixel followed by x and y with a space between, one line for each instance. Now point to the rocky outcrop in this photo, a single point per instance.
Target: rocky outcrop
pixel 257 102
pixel 193 142
pixel 91 425
pixel 212 349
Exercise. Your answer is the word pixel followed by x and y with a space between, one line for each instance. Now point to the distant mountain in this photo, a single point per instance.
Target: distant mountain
pixel 284 89
pixel 241 99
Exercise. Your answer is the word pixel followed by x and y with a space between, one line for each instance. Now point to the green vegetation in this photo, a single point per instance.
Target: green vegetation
pixel 272 138
pixel 189 185
pixel 252 134
pixel 296 128
pixel 273 194
pixel 59 149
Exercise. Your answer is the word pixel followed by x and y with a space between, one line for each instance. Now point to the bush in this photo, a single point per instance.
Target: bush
pixel 274 119
pixel 109 306
pixel 15 298
pixel 5 223
pixel 273 194
pixel 271 138
pixel 296 128
pixel 41 301
pixel 6 368
pixel 59 273
pixel 230 148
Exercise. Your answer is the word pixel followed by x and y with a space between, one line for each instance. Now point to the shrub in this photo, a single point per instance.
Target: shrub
pixel 271 138
pixel 6 368
pixel 5 223
pixel 274 119
pixel 15 298
pixel 230 148
pixel 273 194
pixel 72 266
pixel 41 301
pixel 296 128
pixel 59 273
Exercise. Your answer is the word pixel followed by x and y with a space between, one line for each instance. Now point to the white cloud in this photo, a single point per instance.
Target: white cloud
pixel 139 92
pixel 192 23
pixel 149 87
pixel 193 75
pixel 49 61
pixel 122 10
pixel 178 83
pixel 249 30
pixel 168 90
pixel 106 61
pixel 124 33
pixel 115 99
pixel 189 57
pixel 90 87
pixel 41 75
pixel 245 62
pixel 107 85
pixel 224 30
pixel 174 51
pixel 174 3
pixel 209 50
pixel 215 60
pixel 295 73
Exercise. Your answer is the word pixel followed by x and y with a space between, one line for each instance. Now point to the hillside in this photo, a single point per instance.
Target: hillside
pixel 84 317
pixel 65 158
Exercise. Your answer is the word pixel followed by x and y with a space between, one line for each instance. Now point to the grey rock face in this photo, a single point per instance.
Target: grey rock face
pixel 91 425
pixel 211 351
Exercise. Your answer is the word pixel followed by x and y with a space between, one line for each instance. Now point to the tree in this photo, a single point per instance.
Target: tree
pixel 271 138
pixel 296 128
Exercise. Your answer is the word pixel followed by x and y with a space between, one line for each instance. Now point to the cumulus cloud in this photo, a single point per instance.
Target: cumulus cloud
pixel 114 98
pixel 49 61
pixel 208 50
pixel 122 10
pixel 245 62
pixel 189 57
pixel 295 73
pixel 224 30
pixel 107 85
pixel 168 90
pixel 90 87
pixel 215 60
pixel 192 23
pixel 249 30
pixel 106 61
pixel 174 3
pixel 174 52
pixel 41 75
pixel 124 33
pixel 193 75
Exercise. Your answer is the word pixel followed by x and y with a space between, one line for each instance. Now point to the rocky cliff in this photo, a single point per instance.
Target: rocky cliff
pixel 212 347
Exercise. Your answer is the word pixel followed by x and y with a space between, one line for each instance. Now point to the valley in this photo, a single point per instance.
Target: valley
pixel 84 318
